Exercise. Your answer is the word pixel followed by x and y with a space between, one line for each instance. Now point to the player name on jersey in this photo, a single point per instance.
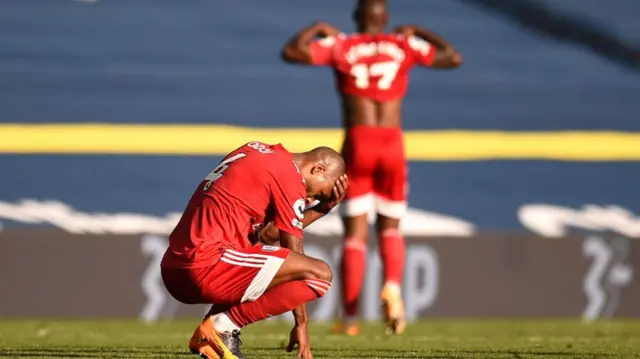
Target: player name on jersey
pixel 370 49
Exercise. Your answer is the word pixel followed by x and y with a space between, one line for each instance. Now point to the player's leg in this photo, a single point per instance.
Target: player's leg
pixel 296 283
pixel 354 210
pixel 352 270
pixel 184 284
pixel 255 284
pixel 391 192
pixel 392 252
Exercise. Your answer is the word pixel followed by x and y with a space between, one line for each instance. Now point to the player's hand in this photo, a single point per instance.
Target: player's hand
pixel 300 336
pixel 337 195
pixel 270 235
pixel 405 30
pixel 327 30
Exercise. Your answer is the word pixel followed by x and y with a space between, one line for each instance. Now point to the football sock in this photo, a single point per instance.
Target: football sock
pixel 354 258
pixel 217 309
pixel 221 323
pixel 277 300
pixel 392 252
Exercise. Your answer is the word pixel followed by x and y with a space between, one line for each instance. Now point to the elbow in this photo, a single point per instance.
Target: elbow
pixel 456 60
pixel 288 54
pixel 294 55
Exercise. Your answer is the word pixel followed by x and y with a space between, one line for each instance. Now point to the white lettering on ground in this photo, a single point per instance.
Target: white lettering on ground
pixel 63 216
pixel 550 220
pixel 30 211
pixel 415 222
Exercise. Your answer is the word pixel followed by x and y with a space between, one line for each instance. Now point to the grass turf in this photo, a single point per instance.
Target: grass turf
pixel 514 339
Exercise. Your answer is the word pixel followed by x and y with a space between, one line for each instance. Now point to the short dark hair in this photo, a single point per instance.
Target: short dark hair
pixel 364 3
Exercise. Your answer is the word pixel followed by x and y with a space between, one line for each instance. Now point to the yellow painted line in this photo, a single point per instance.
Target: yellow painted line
pixel 220 139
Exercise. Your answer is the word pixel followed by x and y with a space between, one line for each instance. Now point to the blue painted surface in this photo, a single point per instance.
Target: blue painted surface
pixel 485 193
pixel 171 61
pixel 217 61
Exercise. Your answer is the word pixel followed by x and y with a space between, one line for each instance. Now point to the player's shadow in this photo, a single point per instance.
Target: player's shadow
pixel 565 27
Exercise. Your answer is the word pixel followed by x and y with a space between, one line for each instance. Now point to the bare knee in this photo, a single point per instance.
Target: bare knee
pixel 320 277
pixel 387 223
pixel 356 227
pixel 298 266
pixel 322 271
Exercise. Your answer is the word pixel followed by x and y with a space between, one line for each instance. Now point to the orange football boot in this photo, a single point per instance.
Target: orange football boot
pixel 393 308
pixel 350 329
pixel 208 343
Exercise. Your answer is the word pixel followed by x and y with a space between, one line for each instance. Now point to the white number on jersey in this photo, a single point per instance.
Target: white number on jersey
pixel 217 172
pixel 386 71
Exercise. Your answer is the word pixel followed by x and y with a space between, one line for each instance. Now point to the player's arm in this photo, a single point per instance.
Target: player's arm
pixel 294 244
pixel 446 56
pixel 300 49
pixel 314 211
pixel 271 233
pixel 287 197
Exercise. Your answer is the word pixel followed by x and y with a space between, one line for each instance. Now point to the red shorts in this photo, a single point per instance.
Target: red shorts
pixel 377 170
pixel 239 276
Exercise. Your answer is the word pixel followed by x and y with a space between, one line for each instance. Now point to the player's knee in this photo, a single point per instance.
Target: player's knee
pixel 387 224
pixel 323 271
pixel 320 280
pixel 356 227
pixel 355 242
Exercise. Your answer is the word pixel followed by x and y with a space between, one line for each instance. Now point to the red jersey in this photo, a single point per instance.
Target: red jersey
pixel 373 66
pixel 253 185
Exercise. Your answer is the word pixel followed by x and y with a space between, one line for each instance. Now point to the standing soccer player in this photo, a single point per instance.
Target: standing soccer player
pixel 371 69
pixel 211 259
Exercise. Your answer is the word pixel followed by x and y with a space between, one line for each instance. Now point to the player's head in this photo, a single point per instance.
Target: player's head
pixel 371 14
pixel 321 168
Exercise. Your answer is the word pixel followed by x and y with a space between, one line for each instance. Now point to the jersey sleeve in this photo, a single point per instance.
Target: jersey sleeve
pixel 289 204
pixel 322 50
pixel 421 51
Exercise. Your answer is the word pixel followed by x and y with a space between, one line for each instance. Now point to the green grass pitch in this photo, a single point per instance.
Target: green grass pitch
pixel 513 339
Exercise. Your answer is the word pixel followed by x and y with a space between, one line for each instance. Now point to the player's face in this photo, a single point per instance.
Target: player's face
pixel 319 186
pixel 323 193
pixel 376 14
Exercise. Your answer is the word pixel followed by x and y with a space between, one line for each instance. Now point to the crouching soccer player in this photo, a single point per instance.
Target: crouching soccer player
pixel 211 259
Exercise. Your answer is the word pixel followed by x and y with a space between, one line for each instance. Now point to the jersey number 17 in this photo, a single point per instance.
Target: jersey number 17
pixel 386 71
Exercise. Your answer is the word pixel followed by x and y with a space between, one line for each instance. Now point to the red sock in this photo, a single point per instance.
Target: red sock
pixel 277 300
pixel 354 257
pixel 392 252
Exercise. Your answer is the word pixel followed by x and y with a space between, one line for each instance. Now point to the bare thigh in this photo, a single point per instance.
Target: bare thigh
pixel 299 267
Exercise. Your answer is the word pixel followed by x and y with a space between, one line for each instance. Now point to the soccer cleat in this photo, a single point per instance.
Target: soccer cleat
pixel 208 343
pixel 393 308
pixel 233 342
pixel 348 329
pixel 198 345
